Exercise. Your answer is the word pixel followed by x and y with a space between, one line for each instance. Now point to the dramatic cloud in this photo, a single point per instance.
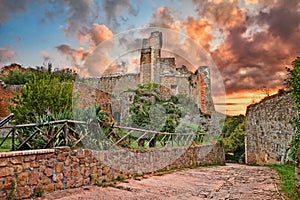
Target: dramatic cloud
pixel 115 8
pixel 163 18
pixel 76 56
pixel 256 46
pixel 99 33
pixel 200 30
pixel 80 14
pixel 95 35
pixel 7 54
pixel 221 13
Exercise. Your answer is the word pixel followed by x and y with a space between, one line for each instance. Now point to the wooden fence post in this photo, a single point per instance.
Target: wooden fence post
pixel 66 132
pixel 13 139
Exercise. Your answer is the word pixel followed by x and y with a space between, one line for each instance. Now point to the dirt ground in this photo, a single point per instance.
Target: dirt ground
pixel 230 182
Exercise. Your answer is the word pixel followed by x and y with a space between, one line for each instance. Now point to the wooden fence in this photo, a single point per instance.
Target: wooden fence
pixel 89 135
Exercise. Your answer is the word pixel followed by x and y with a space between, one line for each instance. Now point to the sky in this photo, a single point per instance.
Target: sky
pixel 251 42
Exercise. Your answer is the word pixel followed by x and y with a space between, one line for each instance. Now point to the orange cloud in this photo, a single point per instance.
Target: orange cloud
pixel 200 30
pixel 164 18
pixel 99 33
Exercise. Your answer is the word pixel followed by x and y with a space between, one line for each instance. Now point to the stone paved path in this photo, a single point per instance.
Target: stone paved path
pixel 230 182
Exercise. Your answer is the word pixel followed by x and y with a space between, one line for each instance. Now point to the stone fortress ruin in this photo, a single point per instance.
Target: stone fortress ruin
pixel 175 80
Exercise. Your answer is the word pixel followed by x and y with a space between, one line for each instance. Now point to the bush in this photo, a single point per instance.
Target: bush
pixel 293 82
pixel 151 111
pixel 234 142
pixel 42 95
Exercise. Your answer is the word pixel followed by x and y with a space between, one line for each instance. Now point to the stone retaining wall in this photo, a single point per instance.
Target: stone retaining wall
pixel 268 131
pixel 23 174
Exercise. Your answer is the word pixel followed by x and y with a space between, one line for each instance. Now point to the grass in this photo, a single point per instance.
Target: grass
pixel 6 146
pixel 287 177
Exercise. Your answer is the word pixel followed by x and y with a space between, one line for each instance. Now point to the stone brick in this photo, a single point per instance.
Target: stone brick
pixel 26 166
pixel 75 165
pixel 42 168
pixel 82 169
pixel 16 160
pixel 101 156
pixel 34 164
pixel 89 160
pixel 67 172
pixel 93 178
pixel 105 170
pixel 57 177
pixel 87 172
pixel 75 173
pixel 69 183
pixel 49 188
pixel 17 168
pixel 81 161
pixel 38 188
pixel 3 194
pixel 22 176
pixel 29 158
pixel 3 162
pixel 86 181
pixel 22 183
pixel 8 183
pixel 94 169
pixel 40 157
pixel 50 163
pixel 78 181
pixel 45 180
pixel 33 178
pixel 74 159
pixel 61 157
pixel 48 171
pixel 23 192
pixel 67 162
pixel 59 186
pixel 87 152
pixel 6 171
pixel 58 167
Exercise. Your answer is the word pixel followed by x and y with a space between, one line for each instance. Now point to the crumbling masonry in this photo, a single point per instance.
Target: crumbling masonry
pixel 154 68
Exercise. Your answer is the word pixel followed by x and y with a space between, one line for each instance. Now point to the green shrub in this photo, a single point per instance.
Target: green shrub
pixel 234 142
pixel 45 95
pixel 293 82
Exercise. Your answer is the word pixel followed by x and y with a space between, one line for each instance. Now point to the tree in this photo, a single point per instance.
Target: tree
pixel 293 82
pixel 151 111
pixel 43 94
pixel 233 132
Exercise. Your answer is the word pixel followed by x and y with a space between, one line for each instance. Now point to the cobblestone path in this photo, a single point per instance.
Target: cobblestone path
pixel 230 182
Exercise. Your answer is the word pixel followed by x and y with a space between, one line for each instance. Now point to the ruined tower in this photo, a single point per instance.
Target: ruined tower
pixel 150 58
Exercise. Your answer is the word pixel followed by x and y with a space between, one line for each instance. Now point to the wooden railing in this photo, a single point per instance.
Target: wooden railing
pixel 149 138
pixel 55 133
pixel 89 135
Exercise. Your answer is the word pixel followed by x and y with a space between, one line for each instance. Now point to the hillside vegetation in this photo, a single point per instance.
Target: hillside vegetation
pixel 233 138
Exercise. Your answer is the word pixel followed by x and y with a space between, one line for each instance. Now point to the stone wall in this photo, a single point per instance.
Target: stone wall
pixel 25 173
pixel 268 131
